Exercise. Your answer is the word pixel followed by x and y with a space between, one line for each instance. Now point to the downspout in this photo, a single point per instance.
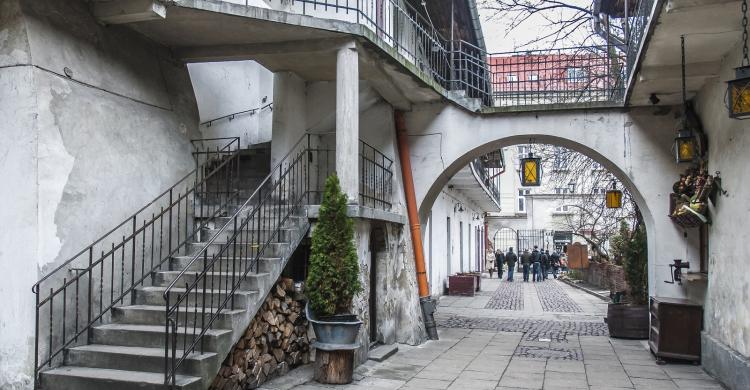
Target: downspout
pixel 426 302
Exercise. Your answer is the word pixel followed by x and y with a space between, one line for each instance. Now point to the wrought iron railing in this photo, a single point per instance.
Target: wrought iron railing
pixel 397 24
pixel 557 76
pixel 297 180
pixel 245 237
pixel 592 74
pixel 376 177
pixel 637 25
pixel 81 292
pixel 491 182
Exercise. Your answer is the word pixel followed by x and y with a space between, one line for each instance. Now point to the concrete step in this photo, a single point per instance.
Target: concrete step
pixel 249 249
pixel 153 295
pixel 154 315
pixel 135 359
pixel 152 336
pixel 86 378
pixel 223 263
pixel 271 265
pixel 286 233
pixel 252 281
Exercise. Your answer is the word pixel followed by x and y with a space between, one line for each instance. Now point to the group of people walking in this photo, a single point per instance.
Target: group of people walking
pixel 538 263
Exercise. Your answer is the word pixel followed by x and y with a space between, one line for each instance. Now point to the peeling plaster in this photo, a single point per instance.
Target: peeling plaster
pixel 54 167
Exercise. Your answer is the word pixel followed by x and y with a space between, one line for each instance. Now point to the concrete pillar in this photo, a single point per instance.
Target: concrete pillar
pixel 347 120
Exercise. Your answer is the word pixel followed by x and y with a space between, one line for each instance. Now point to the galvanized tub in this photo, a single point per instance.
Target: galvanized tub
pixel 341 330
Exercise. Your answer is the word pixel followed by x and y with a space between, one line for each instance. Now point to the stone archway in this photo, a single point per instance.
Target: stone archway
pixel 633 144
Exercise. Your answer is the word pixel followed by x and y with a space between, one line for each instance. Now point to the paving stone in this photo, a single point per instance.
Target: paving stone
pixel 575 380
pixel 565 366
pixel 522 380
pixel 423 383
pixel 653 384
pixel 648 372
pixel 402 372
pixel 474 384
pixel 695 384
pixel 438 375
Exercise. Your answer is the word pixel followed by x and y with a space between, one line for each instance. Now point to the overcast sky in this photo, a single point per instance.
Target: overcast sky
pixel 498 39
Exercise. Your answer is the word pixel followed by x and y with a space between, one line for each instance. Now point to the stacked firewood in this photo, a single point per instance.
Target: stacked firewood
pixel 275 342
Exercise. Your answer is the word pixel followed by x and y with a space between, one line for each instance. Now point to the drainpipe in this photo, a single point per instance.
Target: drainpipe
pixel 426 302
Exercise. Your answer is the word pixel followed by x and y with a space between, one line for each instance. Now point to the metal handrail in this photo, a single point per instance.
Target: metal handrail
pixel 213 178
pixel 266 211
pixel 275 200
pixel 239 210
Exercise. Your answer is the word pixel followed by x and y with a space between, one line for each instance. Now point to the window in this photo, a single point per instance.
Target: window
pixel 511 77
pixel 564 208
pixel 576 74
pixel 598 191
pixel 522 199
pixel 533 77
pixel 561 162
pixel 570 189
pixel 521 152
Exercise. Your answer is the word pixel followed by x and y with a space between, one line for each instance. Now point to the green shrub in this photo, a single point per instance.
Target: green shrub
pixel 635 263
pixel 333 276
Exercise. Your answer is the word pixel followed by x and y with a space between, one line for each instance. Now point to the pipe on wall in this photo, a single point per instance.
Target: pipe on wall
pixel 425 300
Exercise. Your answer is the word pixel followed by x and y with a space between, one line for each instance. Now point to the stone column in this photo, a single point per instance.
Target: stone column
pixel 347 120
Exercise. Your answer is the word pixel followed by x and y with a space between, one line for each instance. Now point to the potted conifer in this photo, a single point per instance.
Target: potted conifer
pixel 630 319
pixel 332 282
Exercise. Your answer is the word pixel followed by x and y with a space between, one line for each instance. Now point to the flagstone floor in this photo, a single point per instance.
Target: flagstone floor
pixel 552 337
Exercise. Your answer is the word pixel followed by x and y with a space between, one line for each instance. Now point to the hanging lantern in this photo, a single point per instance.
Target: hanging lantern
pixel 531 171
pixel 738 90
pixel 613 197
pixel 738 94
pixel 684 147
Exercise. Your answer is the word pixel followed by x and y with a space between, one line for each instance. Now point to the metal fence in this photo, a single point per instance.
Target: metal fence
pixel 376 177
pixel 491 182
pixel 375 172
pixel 557 76
pixel 591 74
pixel 635 31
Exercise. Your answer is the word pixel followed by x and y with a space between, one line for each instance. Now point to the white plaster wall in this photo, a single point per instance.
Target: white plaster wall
pixel 80 153
pixel 634 144
pixel 436 240
pixel 225 88
pixel 727 312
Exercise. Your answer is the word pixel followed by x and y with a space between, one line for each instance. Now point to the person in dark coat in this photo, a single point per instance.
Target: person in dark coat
pixel 546 266
pixel 555 261
pixel 499 261
pixel 511 259
pixel 536 260
pixel 526 263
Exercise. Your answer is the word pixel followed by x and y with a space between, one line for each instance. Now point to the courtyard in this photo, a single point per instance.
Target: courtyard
pixel 545 335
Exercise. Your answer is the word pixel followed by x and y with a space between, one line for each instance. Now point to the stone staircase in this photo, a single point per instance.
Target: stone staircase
pixel 128 352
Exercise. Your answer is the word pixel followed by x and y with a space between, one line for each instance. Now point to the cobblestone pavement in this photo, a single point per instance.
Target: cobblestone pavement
pixel 533 329
pixel 554 298
pixel 532 348
pixel 508 296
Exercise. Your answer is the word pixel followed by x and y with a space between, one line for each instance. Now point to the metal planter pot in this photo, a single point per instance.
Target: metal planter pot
pixel 341 330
